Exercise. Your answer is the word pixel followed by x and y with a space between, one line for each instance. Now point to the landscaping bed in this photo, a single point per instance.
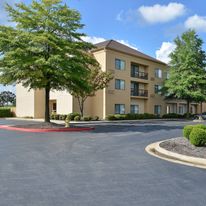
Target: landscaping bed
pixel 182 146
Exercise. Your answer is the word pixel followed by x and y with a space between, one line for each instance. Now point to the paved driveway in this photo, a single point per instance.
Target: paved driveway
pixel 106 167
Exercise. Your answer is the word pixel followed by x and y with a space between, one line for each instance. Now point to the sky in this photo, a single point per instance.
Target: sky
pixel 148 26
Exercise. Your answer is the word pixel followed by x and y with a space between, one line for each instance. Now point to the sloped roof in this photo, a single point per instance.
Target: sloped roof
pixel 114 45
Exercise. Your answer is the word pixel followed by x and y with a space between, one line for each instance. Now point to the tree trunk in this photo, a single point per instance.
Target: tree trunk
pixel 47 115
pixel 188 109
pixel 81 106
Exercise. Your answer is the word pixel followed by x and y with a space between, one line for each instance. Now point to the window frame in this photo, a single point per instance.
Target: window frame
pixel 118 66
pixel 158 110
pixel 131 110
pixel 158 73
pixel 119 110
pixel 118 86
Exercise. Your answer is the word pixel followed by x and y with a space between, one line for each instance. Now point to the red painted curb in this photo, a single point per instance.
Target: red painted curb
pixel 79 129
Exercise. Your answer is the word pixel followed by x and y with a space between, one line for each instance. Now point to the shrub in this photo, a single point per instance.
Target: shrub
pixel 73 115
pixel 77 118
pixel 86 118
pixel 187 130
pixel 200 126
pixel 5 112
pixel 110 117
pixel 172 115
pixel 62 117
pixel 95 118
pixel 198 137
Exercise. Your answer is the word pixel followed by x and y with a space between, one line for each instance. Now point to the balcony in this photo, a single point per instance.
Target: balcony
pixel 139 93
pixel 140 75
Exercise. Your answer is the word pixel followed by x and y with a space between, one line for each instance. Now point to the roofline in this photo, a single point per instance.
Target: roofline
pixel 156 61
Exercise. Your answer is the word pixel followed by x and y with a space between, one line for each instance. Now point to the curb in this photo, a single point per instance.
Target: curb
pixel 154 149
pixel 82 129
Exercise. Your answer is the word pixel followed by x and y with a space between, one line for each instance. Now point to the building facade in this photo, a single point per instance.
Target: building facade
pixel 138 79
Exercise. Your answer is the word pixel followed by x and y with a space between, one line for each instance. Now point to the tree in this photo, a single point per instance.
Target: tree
pixel 6 98
pixel 45 49
pixel 97 80
pixel 187 79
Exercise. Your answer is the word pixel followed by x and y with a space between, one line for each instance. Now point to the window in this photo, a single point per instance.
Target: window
pixel 134 70
pixel 158 73
pixel 119 84
pixel 157 89
pixel 54 107
pixel 182 109
pixel 157 109
pixel 119 109
pixel 167 75
pixel 134 109
pixel 119 64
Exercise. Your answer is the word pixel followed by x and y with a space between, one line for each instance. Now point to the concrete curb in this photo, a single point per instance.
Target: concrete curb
pixel 80 129
pixel 157 151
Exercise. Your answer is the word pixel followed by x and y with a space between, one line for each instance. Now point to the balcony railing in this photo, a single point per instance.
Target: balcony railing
pixel 139 93
pixel 140 75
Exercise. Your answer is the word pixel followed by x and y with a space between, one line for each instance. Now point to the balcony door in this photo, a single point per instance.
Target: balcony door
pixel 134 88
pixel 134 70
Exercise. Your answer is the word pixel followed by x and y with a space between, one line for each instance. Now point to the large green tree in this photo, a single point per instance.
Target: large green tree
pixel 187 77
pixel 96 80
pixel 45 49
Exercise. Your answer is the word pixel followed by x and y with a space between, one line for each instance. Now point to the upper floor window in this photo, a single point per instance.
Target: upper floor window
pixel 119 84
pixel 134 70
pixel 158 73
pixel 167 74
pixel 120 64
pixel 119 108
pixel 157 89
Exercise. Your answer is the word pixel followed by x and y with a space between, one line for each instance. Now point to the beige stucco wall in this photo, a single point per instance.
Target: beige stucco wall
pixel 64 101
pixel 24 102
pixel 114 96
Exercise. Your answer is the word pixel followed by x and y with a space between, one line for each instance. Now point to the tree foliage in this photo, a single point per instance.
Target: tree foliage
pixel 45 50
pixel 97 80
pixel 187 78
pixel 7 98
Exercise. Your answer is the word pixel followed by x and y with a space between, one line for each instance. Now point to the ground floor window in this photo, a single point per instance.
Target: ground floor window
pixel 119 109
pixel 157 109
pixel 54 107
pixel 134 109
pixel 182 109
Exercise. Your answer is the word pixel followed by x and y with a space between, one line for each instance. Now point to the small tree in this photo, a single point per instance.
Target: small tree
pixel 187 70
pixel 97 80
pixel 7 97
pixel 45 50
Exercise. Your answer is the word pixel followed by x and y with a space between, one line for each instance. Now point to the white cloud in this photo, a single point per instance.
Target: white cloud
pixel 196 22
pixel 165 50
pixel 95 40
pixel 162 13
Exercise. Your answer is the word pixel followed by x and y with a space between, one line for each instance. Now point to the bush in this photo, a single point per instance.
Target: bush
pixel 6 112
pixel 198 137
pixel 77 118
pixel 131 116
pixel 172 115
pixel 187 130
pixel 73 115
pixel 95 118
pixel 86 118
pixel 62 117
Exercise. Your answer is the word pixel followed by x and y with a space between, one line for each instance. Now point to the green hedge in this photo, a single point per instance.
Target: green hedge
pixel 196 134
pixel 172 115
pixel 198 137
pixel 6 112
pixel 112 117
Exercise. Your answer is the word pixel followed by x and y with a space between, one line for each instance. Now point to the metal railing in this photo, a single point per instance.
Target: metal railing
pixel 139 93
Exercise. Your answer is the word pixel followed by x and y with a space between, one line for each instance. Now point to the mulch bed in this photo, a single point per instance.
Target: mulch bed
pixel 182 146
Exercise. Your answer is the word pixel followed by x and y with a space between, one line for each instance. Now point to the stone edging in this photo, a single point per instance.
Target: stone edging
pixel 157 151
pixel 80 129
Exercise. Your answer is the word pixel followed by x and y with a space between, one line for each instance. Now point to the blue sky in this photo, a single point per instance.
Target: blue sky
pixel 150 26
